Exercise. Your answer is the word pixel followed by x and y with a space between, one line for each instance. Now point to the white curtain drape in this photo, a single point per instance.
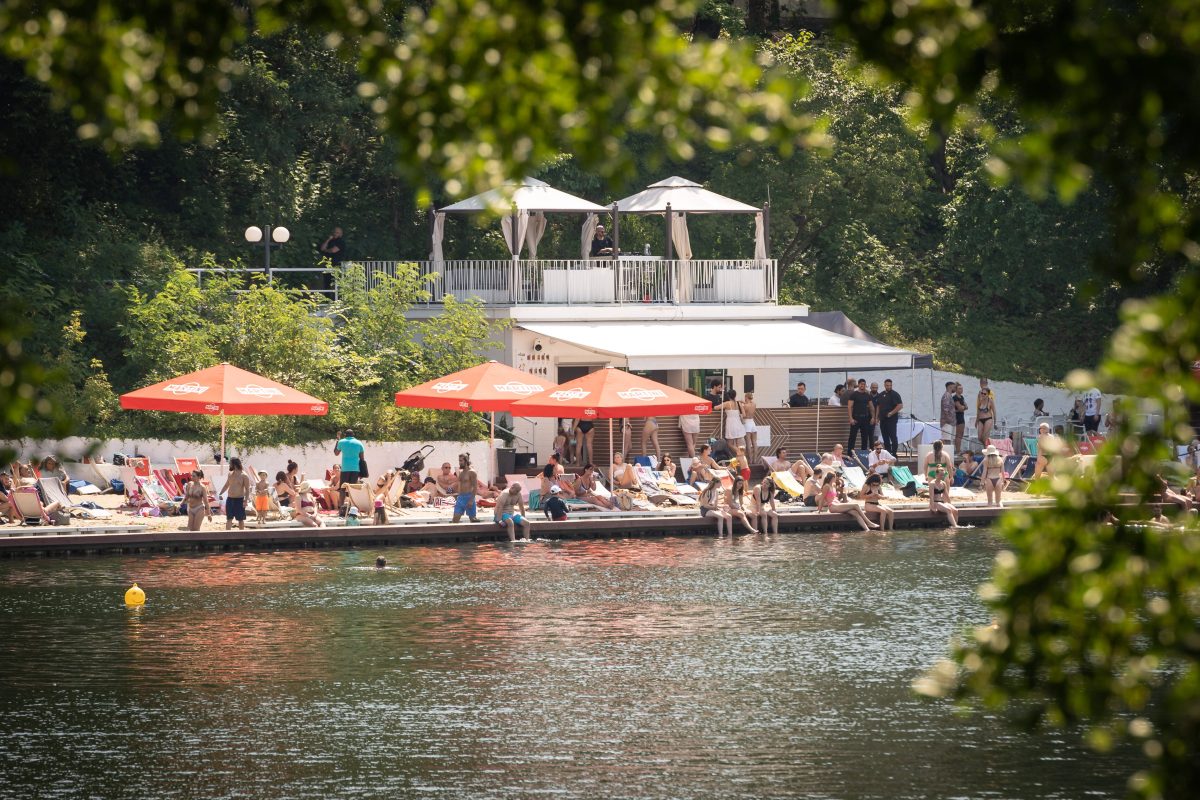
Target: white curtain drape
pixel 587 234
pixel 679 235
pixel 533 236
pixel 439 230
pixel 760 237
pixel 516 242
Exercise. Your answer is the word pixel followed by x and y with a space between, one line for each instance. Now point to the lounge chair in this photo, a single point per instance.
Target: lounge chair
pixel 902 477
pixel 1005 446
pixel 359 495
pixel 863 459
pixel 813 459
pixel 1031 446
pixel 525 482
pixel 854 478
pixel 166 479
pixel 787 482
pixel 1013 466
pixel 28 503
pixel 141 466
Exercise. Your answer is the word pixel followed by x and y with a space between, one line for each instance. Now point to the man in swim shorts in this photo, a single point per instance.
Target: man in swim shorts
pixel 510 512
pixel 468 484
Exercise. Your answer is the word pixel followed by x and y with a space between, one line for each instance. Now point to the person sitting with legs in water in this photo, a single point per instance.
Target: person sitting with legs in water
pixel 827 500
pixel 939 497
pixel 762 506
pixel 510 512
pixel 872 496
pixel 712 506
pixel 736 503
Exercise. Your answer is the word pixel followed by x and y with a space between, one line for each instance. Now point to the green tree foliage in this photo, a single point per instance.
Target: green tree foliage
pixel 480 92
pixel 1096 612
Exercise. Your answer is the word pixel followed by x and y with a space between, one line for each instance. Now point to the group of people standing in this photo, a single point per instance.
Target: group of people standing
pixel 953 413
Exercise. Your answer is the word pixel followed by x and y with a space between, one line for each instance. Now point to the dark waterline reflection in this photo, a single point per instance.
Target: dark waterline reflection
pixel 657 668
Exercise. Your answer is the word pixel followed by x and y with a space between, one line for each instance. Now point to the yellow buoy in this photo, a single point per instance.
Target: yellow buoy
pixel 134 596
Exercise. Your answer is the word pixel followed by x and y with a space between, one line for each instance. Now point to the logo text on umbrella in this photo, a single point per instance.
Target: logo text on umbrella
pixel 641 394
pixel 569 394
pixel 517 387
pixel 212 407
pixel 254 390
pixel 441 387
pixel 185 388
pixel 320 408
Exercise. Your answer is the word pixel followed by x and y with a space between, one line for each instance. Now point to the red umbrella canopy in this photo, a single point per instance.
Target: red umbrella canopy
pixel 490 386
pixel 224 388
pixel 611 393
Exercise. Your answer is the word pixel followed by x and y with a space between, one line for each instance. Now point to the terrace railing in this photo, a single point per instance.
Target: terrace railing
pixel 634 279
pixel 629 280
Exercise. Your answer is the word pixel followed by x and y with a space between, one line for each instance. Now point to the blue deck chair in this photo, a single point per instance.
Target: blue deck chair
pixel 813 459
pixel 1014 466
pixel 864 459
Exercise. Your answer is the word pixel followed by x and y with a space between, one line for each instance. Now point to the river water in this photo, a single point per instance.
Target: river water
pixel 640 668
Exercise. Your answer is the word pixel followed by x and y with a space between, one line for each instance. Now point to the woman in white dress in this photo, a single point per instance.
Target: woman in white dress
pixel 735 431
pixel 748 409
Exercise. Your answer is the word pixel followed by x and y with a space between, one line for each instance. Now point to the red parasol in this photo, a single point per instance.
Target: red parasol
pixel 224 389
pixel 610 393
pixel 490 386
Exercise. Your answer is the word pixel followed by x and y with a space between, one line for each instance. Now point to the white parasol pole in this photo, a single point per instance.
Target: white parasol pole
pixel 223 465
pixel 492 449
pixel 612 445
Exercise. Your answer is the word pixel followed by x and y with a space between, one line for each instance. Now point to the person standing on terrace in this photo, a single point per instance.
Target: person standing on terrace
pixel 602 246
pixel 861 415
pixel 799 399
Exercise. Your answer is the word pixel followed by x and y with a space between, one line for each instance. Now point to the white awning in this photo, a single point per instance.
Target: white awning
pixel 528 195
pixel 682 195
pixel 782 344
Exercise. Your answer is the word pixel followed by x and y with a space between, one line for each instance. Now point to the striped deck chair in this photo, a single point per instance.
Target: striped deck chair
pixel 1013 467
pixel 359 495
pixel 28 503
pixel 166 479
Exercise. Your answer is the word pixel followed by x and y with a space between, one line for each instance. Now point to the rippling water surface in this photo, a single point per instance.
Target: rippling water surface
pixel 659 668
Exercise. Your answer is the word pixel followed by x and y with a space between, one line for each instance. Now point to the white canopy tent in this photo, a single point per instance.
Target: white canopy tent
pixel 524 207
pixel 675 198
pixel 757 344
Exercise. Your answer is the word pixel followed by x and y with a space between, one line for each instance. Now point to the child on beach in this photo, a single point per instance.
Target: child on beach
pixel 262 497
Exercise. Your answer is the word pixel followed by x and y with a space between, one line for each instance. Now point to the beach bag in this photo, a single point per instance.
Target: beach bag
pixel 909 489
pixel 362 466
pixel 623 501
pixel 118 486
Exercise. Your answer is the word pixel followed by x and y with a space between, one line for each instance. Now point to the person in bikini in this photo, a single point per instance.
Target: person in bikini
pixel 985 411
pixel 993 475
pixel 827 500
pixel 762 506
pixel 939 497
pixel 872 495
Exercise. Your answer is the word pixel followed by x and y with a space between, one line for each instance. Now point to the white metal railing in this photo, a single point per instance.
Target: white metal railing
pixel 598 281
pixel 630 279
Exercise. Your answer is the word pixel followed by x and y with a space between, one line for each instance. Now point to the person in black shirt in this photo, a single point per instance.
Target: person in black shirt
pixel 716 393
pixel 799 399
pixel 334 248
pixel 858 406
pixel 601 244
pixel 887 411
pixel 554 507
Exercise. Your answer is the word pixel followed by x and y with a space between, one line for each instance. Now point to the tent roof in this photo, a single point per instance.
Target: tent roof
pixel 683 195
pixel 783 344
pixel 838 322
pixel 528 195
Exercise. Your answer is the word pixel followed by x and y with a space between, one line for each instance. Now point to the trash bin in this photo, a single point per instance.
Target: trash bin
pixel 506 460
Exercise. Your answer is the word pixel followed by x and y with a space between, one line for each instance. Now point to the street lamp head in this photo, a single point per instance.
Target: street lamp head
pixel 254 234
pixel 280 235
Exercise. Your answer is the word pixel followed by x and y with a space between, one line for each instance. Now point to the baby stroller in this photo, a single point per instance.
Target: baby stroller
pixel 415 462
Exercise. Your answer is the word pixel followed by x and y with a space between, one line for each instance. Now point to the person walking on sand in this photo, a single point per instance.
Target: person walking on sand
pixel 468 483
pixel 993 475
pixel 985 411
pixel 236 489
pixel 939 497
pixel 195 496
